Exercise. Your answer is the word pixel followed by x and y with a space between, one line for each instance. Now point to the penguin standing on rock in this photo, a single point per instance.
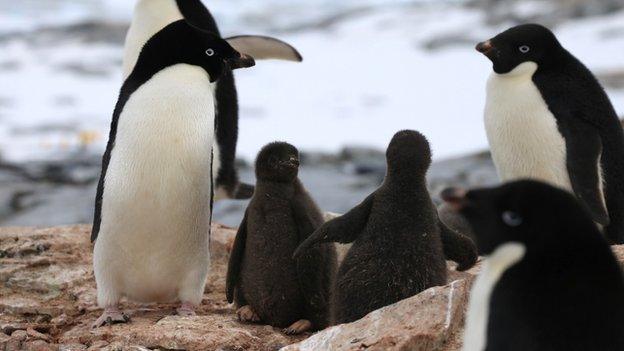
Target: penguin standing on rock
pixel 399 243
pixel 150 16
pixel 154 197
pixel 547 118
pixel 549 280
pixel 264 280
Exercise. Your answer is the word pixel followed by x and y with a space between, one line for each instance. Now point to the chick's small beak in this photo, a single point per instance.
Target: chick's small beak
pixel 294 161
pixel 455 198
pixel 244 61
pixel 484 47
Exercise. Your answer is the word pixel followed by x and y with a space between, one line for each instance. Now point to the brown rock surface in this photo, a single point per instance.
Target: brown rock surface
pixel 47 302
pixel 430 321
pixel 427 321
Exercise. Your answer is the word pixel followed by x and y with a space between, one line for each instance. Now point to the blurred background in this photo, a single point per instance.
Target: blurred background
pixel 371 68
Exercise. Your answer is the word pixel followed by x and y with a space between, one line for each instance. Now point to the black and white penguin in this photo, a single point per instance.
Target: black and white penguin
pixel 154 197
pixel 399 243
pixel 264 280
pixel 547 118
pixel 549 280
pixel 150 16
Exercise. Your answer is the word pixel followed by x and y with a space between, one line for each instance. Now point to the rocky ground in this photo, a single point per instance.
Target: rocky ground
pixel 47 302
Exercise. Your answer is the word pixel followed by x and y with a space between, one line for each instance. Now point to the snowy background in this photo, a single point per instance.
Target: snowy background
pixel 371 67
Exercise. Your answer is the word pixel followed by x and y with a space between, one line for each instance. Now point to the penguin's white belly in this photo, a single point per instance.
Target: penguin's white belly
pixel 477 318
pixel 521 130
pixel 153 239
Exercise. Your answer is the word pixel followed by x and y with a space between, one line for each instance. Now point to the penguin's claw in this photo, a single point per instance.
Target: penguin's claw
pixel 246 314
pixel 110 316
pixel 298 327
pixel 186 310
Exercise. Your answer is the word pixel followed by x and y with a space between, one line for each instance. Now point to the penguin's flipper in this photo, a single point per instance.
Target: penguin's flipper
pixel 584 147
pixel 97 214
pixel 343 229
pixel 264 48
pixel 236 260
pixel 458 247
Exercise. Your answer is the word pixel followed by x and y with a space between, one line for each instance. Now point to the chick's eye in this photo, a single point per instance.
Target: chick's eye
pixel 210 52
pixel 524 49
pixel 511 218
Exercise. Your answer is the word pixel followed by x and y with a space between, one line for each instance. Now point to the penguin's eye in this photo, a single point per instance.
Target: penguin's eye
pixel 511 218
pixel 524 49
pixel 210 52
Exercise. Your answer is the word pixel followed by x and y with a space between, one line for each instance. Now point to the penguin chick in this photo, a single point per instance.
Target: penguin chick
pixel 267 284
pixel 399 243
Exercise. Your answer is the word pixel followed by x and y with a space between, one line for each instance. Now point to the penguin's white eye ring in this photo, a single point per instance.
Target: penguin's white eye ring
pixel 210 52
pixel 524 49
pixel 511 218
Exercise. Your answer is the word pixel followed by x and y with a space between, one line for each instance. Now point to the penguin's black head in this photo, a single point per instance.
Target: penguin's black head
pixel 278 162
pixel 408 153
pixel 520 44
pixel 180 42
pixel 534 214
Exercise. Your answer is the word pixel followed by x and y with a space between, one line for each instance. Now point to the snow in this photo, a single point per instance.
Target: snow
pixel 363 78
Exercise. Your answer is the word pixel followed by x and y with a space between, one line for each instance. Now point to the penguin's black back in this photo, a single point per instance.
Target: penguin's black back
pixel 226 121
pixel 196 13
pixel 572 93
pixel 398 255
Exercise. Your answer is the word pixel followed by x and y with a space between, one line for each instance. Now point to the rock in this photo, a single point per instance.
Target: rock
pixel 33 334
pixel 48 303
pixel 19 335
pixel 430 321
pixel 427 321
pixel 72 347
pixel 39 345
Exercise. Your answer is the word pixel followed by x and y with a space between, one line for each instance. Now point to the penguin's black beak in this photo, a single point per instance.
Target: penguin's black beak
pixel 455 198
pixel 243 61
pixel 292 162
pixel 485 47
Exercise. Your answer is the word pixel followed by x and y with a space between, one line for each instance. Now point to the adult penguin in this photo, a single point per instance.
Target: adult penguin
pixel 549 280
pixel 153 203
pixel 150 16
pixel 548 118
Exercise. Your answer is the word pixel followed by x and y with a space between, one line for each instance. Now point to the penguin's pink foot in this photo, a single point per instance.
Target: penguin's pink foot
pixel 110 316
pixel 298 327
pixel 187 309
pixel 246 314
